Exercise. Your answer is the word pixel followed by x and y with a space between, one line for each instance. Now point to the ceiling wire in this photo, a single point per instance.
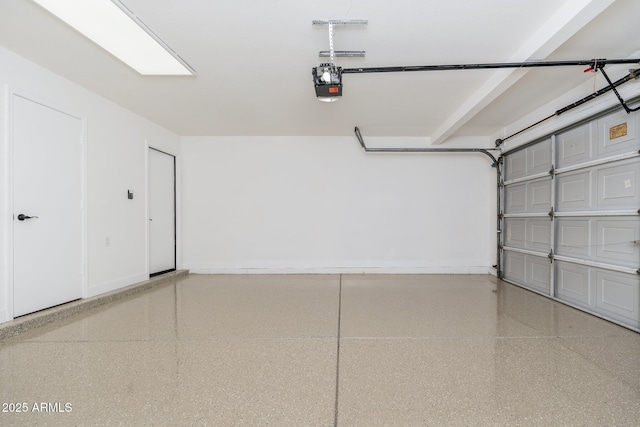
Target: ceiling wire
pixel 593 69
pixel 348 9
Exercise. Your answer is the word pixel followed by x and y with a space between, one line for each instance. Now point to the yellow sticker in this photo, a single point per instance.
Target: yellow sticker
pixel 618 131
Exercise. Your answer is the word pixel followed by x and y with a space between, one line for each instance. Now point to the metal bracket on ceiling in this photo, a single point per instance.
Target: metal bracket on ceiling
pixel 341 22
pixel 331 53
pixel 342 53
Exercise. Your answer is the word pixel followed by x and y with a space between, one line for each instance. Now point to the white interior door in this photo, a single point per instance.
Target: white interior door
pixel 162 212
pixel 47 186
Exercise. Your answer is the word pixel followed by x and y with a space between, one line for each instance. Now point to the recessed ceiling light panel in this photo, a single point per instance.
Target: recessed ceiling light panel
pixel 116 29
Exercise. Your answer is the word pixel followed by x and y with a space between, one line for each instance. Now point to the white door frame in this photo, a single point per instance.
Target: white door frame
pixel 9 223
pixel 172 152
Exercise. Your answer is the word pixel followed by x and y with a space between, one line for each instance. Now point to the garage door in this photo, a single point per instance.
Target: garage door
pixel 571 217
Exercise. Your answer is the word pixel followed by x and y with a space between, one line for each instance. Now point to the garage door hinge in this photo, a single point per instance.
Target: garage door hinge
pixel 500 247
pixel 552 172
pixel 638 272
pixel 550 256
pixel 500 216
pixel 551 213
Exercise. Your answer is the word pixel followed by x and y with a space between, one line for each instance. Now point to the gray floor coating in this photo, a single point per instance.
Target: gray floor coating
pixel 324 350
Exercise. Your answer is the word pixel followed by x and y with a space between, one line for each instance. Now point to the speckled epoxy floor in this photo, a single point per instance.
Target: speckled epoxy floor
pixel 324 349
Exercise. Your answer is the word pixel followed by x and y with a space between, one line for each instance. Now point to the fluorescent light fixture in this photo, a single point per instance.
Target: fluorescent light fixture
pixel 117 30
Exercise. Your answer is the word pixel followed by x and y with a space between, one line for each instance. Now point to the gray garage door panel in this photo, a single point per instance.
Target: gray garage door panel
pixel 575 146
pixel 539 157
pixel 538 273
pixel 618 185
pixel 515 166
pixel 617 134
pixel 615 240
pixel 515 198
pixel 514 267
pixel 574 192
pixel 612 294
pixel 531 197
pixel 539 234
pixel 530 233
pixel 515 230
pixel 609 136
pixel 539 196
pixel 593 194
pixel 574 284
pixel 605 187
pixel 603 239
pixel 528 270
pixel 530 161
pixel 618 296
pixel 574 237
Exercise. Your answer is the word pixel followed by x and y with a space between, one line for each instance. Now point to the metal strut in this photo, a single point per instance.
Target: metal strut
pixel 425 150
pixel 613 88
pixel 633 74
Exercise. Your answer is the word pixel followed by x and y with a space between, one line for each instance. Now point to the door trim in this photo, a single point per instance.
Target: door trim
pixel 176 197
pixel 9 223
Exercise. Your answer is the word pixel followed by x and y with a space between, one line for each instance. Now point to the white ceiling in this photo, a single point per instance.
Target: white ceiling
pixel 254 61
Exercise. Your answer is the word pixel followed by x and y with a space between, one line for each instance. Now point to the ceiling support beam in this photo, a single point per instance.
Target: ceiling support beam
pixel 566 22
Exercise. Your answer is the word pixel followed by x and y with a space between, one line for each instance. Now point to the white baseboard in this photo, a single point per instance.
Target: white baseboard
pixel 116 284
pixel 205 268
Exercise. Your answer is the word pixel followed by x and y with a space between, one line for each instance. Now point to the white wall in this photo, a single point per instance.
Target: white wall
pixel 311 204
pixel 116 162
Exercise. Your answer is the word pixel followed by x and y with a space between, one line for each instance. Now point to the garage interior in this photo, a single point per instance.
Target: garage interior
pixel 454 240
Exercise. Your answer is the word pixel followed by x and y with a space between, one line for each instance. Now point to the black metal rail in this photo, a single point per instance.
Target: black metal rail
pixel 425 150
pixel 633 74
pixel 593 63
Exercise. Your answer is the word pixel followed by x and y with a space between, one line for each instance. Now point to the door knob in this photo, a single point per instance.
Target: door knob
pixel 22 217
